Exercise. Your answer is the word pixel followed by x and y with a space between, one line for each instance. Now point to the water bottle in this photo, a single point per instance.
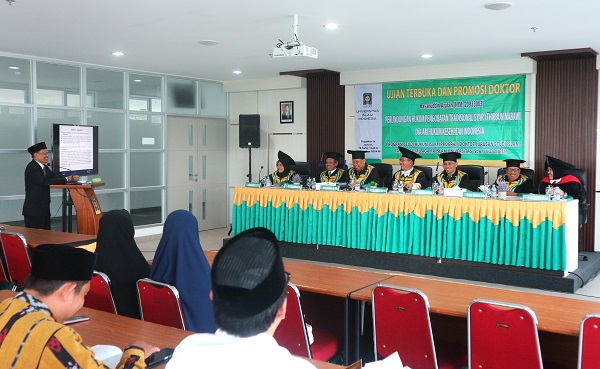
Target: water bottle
pixel 400 187
pixel 557 195
pixel 395 185
pixel 434 187
pixel 493 193
pixel 268 181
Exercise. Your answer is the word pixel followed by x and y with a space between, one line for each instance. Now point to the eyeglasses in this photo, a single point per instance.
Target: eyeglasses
pixel 512 169
pixel 288 276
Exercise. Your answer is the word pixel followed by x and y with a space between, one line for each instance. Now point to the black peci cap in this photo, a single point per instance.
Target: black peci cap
pixel 409 154
pixel 516 163
pixel 62 263
pixel 450 156
pixel 37 147
pixel 357 154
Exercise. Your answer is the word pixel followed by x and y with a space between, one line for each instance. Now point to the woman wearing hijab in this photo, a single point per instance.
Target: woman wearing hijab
pixel 180 262
pixel 121 260
pixel 568 184
pixel 283 172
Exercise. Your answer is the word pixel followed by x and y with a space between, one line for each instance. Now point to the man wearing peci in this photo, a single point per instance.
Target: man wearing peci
pixel 38 178
pixel 361 173
pixel 333 173
pixel 516 182
pixel 451 176
pixel 408 175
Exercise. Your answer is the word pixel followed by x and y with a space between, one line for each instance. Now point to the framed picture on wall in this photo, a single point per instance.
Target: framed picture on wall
pixel 286 111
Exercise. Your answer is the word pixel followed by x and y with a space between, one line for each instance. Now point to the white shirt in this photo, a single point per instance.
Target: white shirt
pixel 222 350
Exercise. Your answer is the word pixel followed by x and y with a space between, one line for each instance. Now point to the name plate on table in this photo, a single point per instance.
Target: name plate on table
pixel 534 197
pixel 377 190
pixel 252 184
pixel 329 188
pixel 292 186
pixel 422 192
pixel 474 195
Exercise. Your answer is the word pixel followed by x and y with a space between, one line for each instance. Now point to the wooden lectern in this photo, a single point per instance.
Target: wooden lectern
pixel 86 204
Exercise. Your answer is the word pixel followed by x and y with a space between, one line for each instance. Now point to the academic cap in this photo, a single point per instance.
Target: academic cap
pixel 285 159
pixel 450 156
pixel 248 274
pixel 513 163
pixel 555 163
pixel 333 155
pixel 357 154
pixel 62 263
pixel 406 153
pixel 37 147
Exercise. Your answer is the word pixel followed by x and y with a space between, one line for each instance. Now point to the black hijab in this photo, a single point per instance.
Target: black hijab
pixel 121 260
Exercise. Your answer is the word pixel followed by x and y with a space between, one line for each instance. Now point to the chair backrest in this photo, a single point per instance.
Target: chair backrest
pixel 385 173
pixel 581 174
pixel 528 172
pixel 99 297
pixel 427 170
pixel 502 335
pixel 589 341
pixel 476 175
pixel 160 303
pixel 302 168
pixel 291 332
pixel 401 323
pixel 16 256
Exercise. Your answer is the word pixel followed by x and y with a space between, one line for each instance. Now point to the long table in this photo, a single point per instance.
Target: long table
pixel 109 329
pixel 540 235
pixel 36 237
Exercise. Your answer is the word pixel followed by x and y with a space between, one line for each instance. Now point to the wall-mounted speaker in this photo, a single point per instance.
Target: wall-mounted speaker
pixel 249 130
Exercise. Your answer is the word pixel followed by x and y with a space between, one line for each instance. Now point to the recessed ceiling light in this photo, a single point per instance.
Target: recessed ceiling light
pixel 208 42
pixel 118 53
pixel 498 6
pixel 426 56
pixel 15 68
pixel 237 72
pixel 137 80
pixel 332 26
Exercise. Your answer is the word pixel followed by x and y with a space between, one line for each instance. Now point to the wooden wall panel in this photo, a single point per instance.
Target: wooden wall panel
pixel 325 116
pixel 566 118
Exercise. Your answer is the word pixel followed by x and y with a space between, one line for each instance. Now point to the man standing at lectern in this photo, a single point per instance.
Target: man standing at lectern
pixel 38 178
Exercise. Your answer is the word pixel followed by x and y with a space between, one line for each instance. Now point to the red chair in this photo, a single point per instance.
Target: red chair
pixel 160 303
pixel 16 257
pixel 502 335
pixel 292 334
pixel 589 342
pixel 401 323
pixel 99 297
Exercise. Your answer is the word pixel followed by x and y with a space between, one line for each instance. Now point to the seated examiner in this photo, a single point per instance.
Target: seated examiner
pixel 451 176
pixel 516 182
pixel 362 173
pixel 32 334
pixel 408 175
pixel 333 172
pixel 283 172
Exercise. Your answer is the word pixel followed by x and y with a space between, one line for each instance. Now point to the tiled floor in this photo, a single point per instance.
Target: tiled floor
pixel 213 240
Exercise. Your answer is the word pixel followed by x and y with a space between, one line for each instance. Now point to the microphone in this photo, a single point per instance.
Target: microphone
pixel 259 172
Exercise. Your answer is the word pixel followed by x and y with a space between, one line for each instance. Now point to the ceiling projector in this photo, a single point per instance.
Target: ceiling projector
pixel 294 48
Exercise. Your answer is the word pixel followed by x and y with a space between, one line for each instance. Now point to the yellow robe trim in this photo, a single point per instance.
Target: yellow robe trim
pixel 476 209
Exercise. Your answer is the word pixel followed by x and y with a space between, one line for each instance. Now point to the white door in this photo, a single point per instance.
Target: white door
pixel 197 169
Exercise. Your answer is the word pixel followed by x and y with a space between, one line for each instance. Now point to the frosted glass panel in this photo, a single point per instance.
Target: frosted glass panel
pixel 15 80
pixel 47 117
pixel 12 169
pixel 15 125
pixel 213 101
pixel 111 201
pixel 111 168
pixel 55 82
pixel 146 169
pixel 145 131
pixel 145 93
pixel 111 129
pixel 181 96
pixel 10 211
pixel 146 206
pixel 104 89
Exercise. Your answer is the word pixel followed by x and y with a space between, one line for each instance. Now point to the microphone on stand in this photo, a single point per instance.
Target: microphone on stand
pixel 259 172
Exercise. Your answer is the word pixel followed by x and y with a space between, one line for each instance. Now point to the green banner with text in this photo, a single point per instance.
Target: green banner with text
pixel 482 118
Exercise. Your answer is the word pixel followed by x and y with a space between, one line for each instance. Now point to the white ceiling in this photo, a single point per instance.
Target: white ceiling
pixel 162 36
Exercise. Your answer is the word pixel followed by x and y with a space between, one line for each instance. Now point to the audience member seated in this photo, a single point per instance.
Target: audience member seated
pixel 33 335
pixel 180 262
pixel 121 260
pixel 249 295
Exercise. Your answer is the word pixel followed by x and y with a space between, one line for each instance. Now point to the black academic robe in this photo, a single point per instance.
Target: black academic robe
pixel 572 187
pixel 523 184
pixel 338 175
pixel 37 189
pixel 415 176
pixel 367 175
